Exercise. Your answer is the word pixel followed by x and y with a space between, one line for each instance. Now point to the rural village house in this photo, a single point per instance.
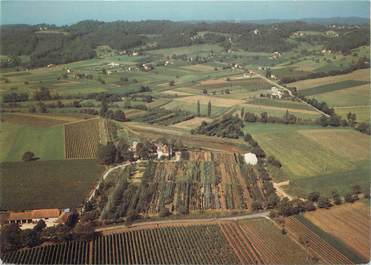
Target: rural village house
pixel 29 218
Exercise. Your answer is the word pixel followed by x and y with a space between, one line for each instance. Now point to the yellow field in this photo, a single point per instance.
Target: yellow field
pixel 362 112
pixel 363 75
pixel 176 93
pixel 215 101
pixel 346 143
pixel 39 120
pixel 358 95
pixel 348 222
pixel 199 67
pixel 192 123
pixel 263 108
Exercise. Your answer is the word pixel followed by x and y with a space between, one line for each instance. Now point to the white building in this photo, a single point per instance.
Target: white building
pixel 275 92
pixel 250 159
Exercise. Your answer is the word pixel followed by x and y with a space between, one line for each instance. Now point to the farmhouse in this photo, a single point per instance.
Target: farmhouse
pixel 163 150
pixel 29 218
pixel 276 55
pixel 275 92
pixel 113 64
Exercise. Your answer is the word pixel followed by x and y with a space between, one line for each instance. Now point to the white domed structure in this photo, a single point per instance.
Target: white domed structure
pixel 251 159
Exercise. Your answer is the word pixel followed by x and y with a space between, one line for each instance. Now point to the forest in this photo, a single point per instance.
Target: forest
pixel 50 44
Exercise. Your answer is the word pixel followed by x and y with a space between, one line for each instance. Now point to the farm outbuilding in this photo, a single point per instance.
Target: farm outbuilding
pixel 251 159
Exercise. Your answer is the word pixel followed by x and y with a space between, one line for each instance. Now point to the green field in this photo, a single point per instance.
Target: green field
pixel 280 111
pixel 312 156
pixel 332 87
pixel 46 184
pixel 363 112
pixel 46 143
pixel 288 104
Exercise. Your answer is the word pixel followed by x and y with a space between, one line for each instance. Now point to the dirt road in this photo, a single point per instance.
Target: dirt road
pixel 280 192
pixel 288 91
pixel 153 224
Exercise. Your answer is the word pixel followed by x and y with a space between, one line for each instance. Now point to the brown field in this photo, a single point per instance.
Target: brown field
pixel 192 141
pixel 176 93
pixel 39 120
pixel 265 107
pixel 199 67
pixel 215 101
pixel 214 81
pixel 363 75
pixel 316 246
pixel 350 223
pixel 82 138
pixel 346 143
pixel 192 123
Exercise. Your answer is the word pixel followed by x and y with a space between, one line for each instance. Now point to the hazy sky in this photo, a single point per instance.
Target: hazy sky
pixel 68 12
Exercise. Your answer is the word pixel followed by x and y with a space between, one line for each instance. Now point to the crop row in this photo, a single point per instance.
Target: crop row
pixel 314 243
pixel 165 117
pixel 82 139
pixel 199 244
pixel 74 252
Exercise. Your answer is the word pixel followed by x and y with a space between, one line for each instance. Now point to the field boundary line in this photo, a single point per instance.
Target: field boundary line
pixel 290 93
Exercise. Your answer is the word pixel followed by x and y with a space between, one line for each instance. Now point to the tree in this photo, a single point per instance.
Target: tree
pixel 28 156
pixel 106 154
pixel 119 115
pixel 250 117
pixel 127 103
pixel 84 231
pixel 313 196
pixel 31 238
pixel 39 226
pixel 72 219
pixel 324 202
pixel 209 109
pixel 352 117
pixel 164 212
pixel 323 121
pixel 104 108
pixel 264 117
pixel 357 189
pixel 242 115
pixel 336 197
pixel 41 107
pixel 198 108
pixel 309 206
pixel 11 237
pixel 256 205
pixel 268 73
pixel 351 197
pixel 31 109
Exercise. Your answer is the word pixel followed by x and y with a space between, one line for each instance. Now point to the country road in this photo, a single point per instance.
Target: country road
pixel 122 227
pixel 289 91
pixel 92 194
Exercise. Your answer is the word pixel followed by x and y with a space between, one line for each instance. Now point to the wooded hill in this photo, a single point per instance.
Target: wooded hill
pixel 50 44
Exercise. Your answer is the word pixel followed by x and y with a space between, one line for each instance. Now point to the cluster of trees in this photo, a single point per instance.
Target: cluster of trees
pixel 229 126
pixel 255 147
pixel 288 118
pixel 105 112
pixel 351 120
pixel 362 63
pixel 349 40
pixel 322 106
pixel 314 200
pixel 13 238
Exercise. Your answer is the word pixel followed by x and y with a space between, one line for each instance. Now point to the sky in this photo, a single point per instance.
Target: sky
pixel 69 12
